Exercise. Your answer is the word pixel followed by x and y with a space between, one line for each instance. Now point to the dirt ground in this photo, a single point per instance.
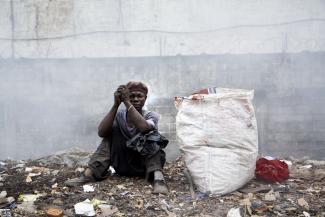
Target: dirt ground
pixel 303 194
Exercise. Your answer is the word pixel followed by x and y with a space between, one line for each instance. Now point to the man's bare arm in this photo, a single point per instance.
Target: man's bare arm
pixel 137 119
pixel 106 125
pixel 133 115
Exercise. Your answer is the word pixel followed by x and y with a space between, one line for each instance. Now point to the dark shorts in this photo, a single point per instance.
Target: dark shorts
pixel 112 151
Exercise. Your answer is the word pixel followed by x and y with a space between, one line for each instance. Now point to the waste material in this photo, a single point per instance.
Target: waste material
pixel 2 167
pixel 3 194
pixel 97 202
pixel 234 212
pixel 302 202
pixel 307 166
pixel 288 162
pixel 270 196
pixel 80 169
pixel 54 212
pixel 36 170
pixel 5 213
pixel 271 170
pixel 111 170
pixel 218 136
pixel 132 196
pixel 34 174
pixel 88 188
pixel 264 188
pixel 28 197
pixel 259 207
pixel 27 207
pixel 85 208
pixel 306 214
pixel 315 162
pixel 107 210
pixel 29 179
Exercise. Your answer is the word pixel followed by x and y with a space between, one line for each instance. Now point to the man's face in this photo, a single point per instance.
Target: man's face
pixel 137 99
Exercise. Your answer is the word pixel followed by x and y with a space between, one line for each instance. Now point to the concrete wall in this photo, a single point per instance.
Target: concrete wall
pixel 61 60
pixel 120 28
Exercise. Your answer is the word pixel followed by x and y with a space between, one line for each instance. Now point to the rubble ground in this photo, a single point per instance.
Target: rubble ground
pixel 303 194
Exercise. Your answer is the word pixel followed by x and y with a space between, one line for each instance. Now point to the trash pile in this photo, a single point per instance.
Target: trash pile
pixel 36 188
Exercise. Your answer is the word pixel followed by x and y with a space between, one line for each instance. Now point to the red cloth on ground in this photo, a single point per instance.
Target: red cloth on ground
pixel 271 170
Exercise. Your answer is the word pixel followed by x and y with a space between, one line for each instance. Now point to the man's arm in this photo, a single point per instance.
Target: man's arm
pixel 106 125
pixel 137 119
pixel 133 115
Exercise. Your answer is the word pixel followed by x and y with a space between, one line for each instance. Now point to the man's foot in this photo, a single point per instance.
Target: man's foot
pixel 79 181
pixel 159 187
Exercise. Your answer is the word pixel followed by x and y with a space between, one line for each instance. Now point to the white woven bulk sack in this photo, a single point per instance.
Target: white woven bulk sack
pixel 218 137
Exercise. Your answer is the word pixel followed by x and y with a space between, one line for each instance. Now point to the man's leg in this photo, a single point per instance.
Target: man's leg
pixel 100 161
pixel 97 166
pixel 154 167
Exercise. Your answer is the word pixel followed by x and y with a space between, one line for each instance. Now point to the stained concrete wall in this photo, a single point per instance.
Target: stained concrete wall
pixel 120 28
pixel 61 60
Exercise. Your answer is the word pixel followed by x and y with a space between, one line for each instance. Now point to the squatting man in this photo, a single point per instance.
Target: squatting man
pixel 131 142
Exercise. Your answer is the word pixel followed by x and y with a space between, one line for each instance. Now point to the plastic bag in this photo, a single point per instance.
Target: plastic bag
pixel 217 135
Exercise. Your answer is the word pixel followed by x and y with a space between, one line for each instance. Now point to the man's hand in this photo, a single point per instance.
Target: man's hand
pixel 125 94
pixel 117 98
pixel 118 94
pixel 105 126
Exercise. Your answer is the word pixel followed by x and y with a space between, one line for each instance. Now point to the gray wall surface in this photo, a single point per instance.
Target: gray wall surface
pixel 48 105
pixel 60 61
pixel 130 28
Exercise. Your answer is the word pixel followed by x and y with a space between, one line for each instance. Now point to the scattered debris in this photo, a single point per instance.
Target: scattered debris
pixel 301 195
pixel 259 207
pixel 306 214
pixel 88 188
pixel 97 202
pixel 28 179
pixel 263 188
pixel 80 170
pixel 234 212
pixel 36 170
pixel 270 196
pixel 111 170
pixel 3 194
pixel 27 207
pixel 303 203
pixel 306 166
pixel 271 170
pixel 121 187
pixel 315 162
pixel 54 212
pixel 85 208
pixel 28 197
pixel 55 172
pixel 107 210
pixel 5 213
pixel 288 162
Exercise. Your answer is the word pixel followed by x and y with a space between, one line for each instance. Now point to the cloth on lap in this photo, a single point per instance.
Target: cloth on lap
pixel 147 144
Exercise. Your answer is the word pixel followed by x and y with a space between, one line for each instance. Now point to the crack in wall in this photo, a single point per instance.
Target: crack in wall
pixel 170 32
